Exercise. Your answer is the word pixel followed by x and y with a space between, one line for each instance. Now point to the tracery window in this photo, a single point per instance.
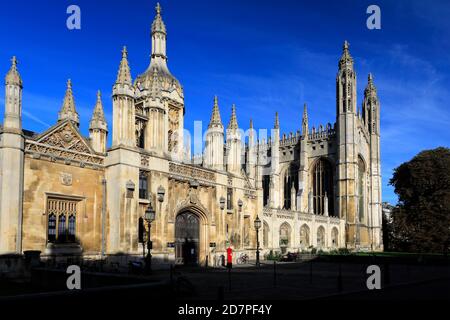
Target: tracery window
pixel 266 189
pixel 285 235
pixel 321 237
pixel 334 238
pixel 61 224
pixel 322 187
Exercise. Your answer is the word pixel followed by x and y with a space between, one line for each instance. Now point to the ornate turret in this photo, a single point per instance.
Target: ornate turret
pixel 215 121
pixel 277 122
pixel 13 76
pixel 305 129
pixel 346 60
pixel 123 105
pixel 214 140
pixel 233 144
pixel 158 59
pixel 124 74
pixel 13 98
pixel 98 127
pixel 68 111
pixel 12 165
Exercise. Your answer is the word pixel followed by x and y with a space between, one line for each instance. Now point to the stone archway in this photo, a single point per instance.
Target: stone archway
pixel 191 236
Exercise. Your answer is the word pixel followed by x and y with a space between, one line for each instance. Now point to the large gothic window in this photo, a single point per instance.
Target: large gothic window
pixel 61 224
pixel 322 187
pixel 290 182
pixel 361 202
pixel 304 236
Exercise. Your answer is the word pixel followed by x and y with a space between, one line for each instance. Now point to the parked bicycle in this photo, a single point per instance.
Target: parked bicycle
pixel 243 259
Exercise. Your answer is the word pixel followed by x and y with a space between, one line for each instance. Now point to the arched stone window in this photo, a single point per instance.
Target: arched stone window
pixel 322 187
pixel 321 237
pixel 335 238
pixel 304 236
pixel 51 228
pixel 361 200
pixel 290 179
pixel 285 235
pixel 266 189
pixel 266 231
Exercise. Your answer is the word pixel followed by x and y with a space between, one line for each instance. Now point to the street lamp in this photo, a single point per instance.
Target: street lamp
pixel 222 203
pixel 240 204
pixel 161 191
pixel 257 227
pixel 149 217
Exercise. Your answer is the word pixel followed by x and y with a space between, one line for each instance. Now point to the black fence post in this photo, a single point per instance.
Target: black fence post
pixel 311 271
pixel 171 276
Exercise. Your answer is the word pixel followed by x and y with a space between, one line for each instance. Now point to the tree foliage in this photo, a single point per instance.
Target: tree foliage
pixel 421 220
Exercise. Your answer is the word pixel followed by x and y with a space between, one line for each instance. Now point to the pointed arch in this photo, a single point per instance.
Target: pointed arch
pixel 304 236
pixel 321 237
pixel 334 238
pixel 285 235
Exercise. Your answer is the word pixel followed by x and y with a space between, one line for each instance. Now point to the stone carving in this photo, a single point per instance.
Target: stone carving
pixel 191 172
pixel 66 178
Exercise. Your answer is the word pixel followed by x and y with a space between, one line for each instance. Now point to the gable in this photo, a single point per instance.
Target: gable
pixel 65 135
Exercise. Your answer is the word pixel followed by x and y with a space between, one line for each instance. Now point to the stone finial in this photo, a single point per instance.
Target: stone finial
pixel 13 76
pixel 346 60
pixel 305 130
pixel 158 24
pixel 124 74
pixel 215 121
pixel 233 120
pixel 98 116
pixel 68 110
pixel 277 121
pixel 251 123
pixel 370 88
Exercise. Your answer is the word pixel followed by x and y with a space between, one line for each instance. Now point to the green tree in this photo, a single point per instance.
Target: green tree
pixel 421 220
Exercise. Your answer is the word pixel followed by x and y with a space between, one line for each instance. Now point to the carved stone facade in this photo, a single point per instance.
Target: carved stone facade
pixel 62 192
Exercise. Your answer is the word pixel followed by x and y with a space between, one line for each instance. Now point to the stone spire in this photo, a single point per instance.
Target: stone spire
pixel 68 110
pixel 305 130
pixel 277 121
pixel 251 123
pixel 370 90
pixel 124 74
pixel 158 35
pixel 215 116
pixel 346 60
pixel 98 116
pixel 233 125
pixel 13 76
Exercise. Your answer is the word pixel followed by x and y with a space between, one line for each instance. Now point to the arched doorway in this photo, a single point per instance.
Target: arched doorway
pixel 187 238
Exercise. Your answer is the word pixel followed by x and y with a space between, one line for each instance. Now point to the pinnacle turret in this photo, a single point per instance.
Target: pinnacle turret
pixel 68 110
pixel 98 116
pixel 233 125
pixel 13 76
pixel 215 116
pixel 124 74
pixel 346 60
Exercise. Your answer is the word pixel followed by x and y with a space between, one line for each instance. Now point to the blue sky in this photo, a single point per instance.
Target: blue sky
pixel 261 55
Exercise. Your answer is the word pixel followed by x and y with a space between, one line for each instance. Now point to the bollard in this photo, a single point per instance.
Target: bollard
pixel 310 272
pixel 274 274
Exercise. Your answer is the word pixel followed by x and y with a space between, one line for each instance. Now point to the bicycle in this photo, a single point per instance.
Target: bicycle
pixel 243 259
